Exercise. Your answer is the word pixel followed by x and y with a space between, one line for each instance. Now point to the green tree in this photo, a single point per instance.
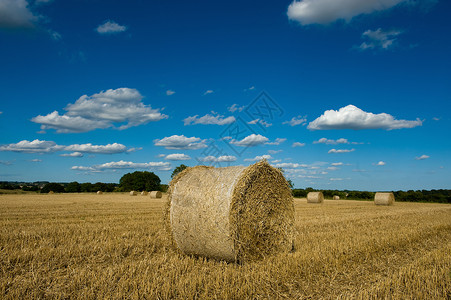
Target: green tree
pixel 178 170
pixel 53 186
pixel 73 187
pixel 86 187
pixel 140 181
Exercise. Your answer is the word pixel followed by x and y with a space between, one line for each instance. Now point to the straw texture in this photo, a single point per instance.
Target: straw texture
pixel 315 197
pixel 155 194
pixel 133 193
pixel 234 214
pixel 384 199
pixel 336 197
pixel 144 193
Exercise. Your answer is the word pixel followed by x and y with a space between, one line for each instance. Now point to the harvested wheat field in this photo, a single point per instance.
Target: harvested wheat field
pixel 115 246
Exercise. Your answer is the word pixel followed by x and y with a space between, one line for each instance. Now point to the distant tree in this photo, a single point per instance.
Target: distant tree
pixel 73 187
pixel 178 170
pixel 53 186
pixel 86 187
pixel 99 186
pixel 140 181
pixel 30 188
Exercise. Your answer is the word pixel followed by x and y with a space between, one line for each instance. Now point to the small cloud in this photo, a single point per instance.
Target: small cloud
pixel 297 144
pixel 258 158
pixel 340 150
pixel 331 142
pixel 181 142
pixel 224 158
pixel 250 141
pixel 337 179
pixel 115 165
pixel 336 164
pixel 436 119
pixel 352 117
pixel 208 92
pixel 250 89
pixel 134 149
pixel 209 120
pixel 170 92
pixel 54 35
pixel 5 162
pixel 17 14
pixel 258 121
pixel 36 160
pixel 110 27
pixel 296 121
pixel 235 108
pixel 178 156
pixel 379 39
pixel 277 142
pixel 274 151
pixel 381 163
pixel 290 165
pixel 422 157
pixel 73 154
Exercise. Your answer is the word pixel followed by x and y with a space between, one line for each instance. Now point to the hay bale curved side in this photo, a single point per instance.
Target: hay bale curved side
pixel 99 192
pixel 336 197
pixel 384 198
pixel 155 194
pixel 233 213
pixel 315 197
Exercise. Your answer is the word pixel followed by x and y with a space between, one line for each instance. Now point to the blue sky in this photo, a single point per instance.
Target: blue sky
pixel 340 94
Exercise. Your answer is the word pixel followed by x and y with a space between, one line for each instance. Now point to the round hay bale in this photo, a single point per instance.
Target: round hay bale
pixel 144 193
pixel 336 197
pixel 155 194
pixel 235 213
pixel 384 199
pixel 51 192
pixel 133 193
pixel 315 197
pixel 99 192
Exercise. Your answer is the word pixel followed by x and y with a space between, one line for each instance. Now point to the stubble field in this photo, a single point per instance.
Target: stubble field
pixel 114 246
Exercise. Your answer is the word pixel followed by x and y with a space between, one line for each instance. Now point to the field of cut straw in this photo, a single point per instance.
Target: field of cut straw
pixel 114 246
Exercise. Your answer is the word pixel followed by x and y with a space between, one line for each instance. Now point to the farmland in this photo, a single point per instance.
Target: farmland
pixel 114 246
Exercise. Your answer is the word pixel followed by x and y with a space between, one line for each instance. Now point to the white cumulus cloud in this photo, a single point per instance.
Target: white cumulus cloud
pixel 352 117
pixel 277 141
pixel 180 142
pixel 422 157
pixel 296 121
pixel 208 92
pixel 209 120
pixel 102 110
pixel 223 158
pixel 110 27
pixel 297 144
pixel 235 108
pixel 327 11
pixel 170 92
pixel 331 142
pixel 38 146
pixel 73 154
pixel 161 166
pixel 250 141
pixel 341 150
pixel 178 156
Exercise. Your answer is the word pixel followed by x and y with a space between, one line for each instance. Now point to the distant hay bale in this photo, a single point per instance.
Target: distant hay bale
pixel 51 192
pixel 99 192
pixel 155 194
pixel 336 197
pixel 144 193
pixel 133 193
pixel 235 213
pixel 315 197
pixel 384 199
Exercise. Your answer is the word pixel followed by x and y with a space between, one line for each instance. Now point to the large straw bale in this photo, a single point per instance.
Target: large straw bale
pixel 99 192
pixel 235 213
pixel 315 197
pixel 336 197
pixel 144 193
pixel 155 194
pixel 384 199
pixel 133 193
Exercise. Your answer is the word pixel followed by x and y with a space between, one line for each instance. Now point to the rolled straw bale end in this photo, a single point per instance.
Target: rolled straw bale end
pixel 155 194
pixel 99 192
pixel 384 198
pixel 315 197
pixel 336 197
pixel 144 193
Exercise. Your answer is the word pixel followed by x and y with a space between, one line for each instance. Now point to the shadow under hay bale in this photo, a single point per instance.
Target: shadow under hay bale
pixel 156 194
pixel 384 199
pixel 315 197
pixel 235 214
